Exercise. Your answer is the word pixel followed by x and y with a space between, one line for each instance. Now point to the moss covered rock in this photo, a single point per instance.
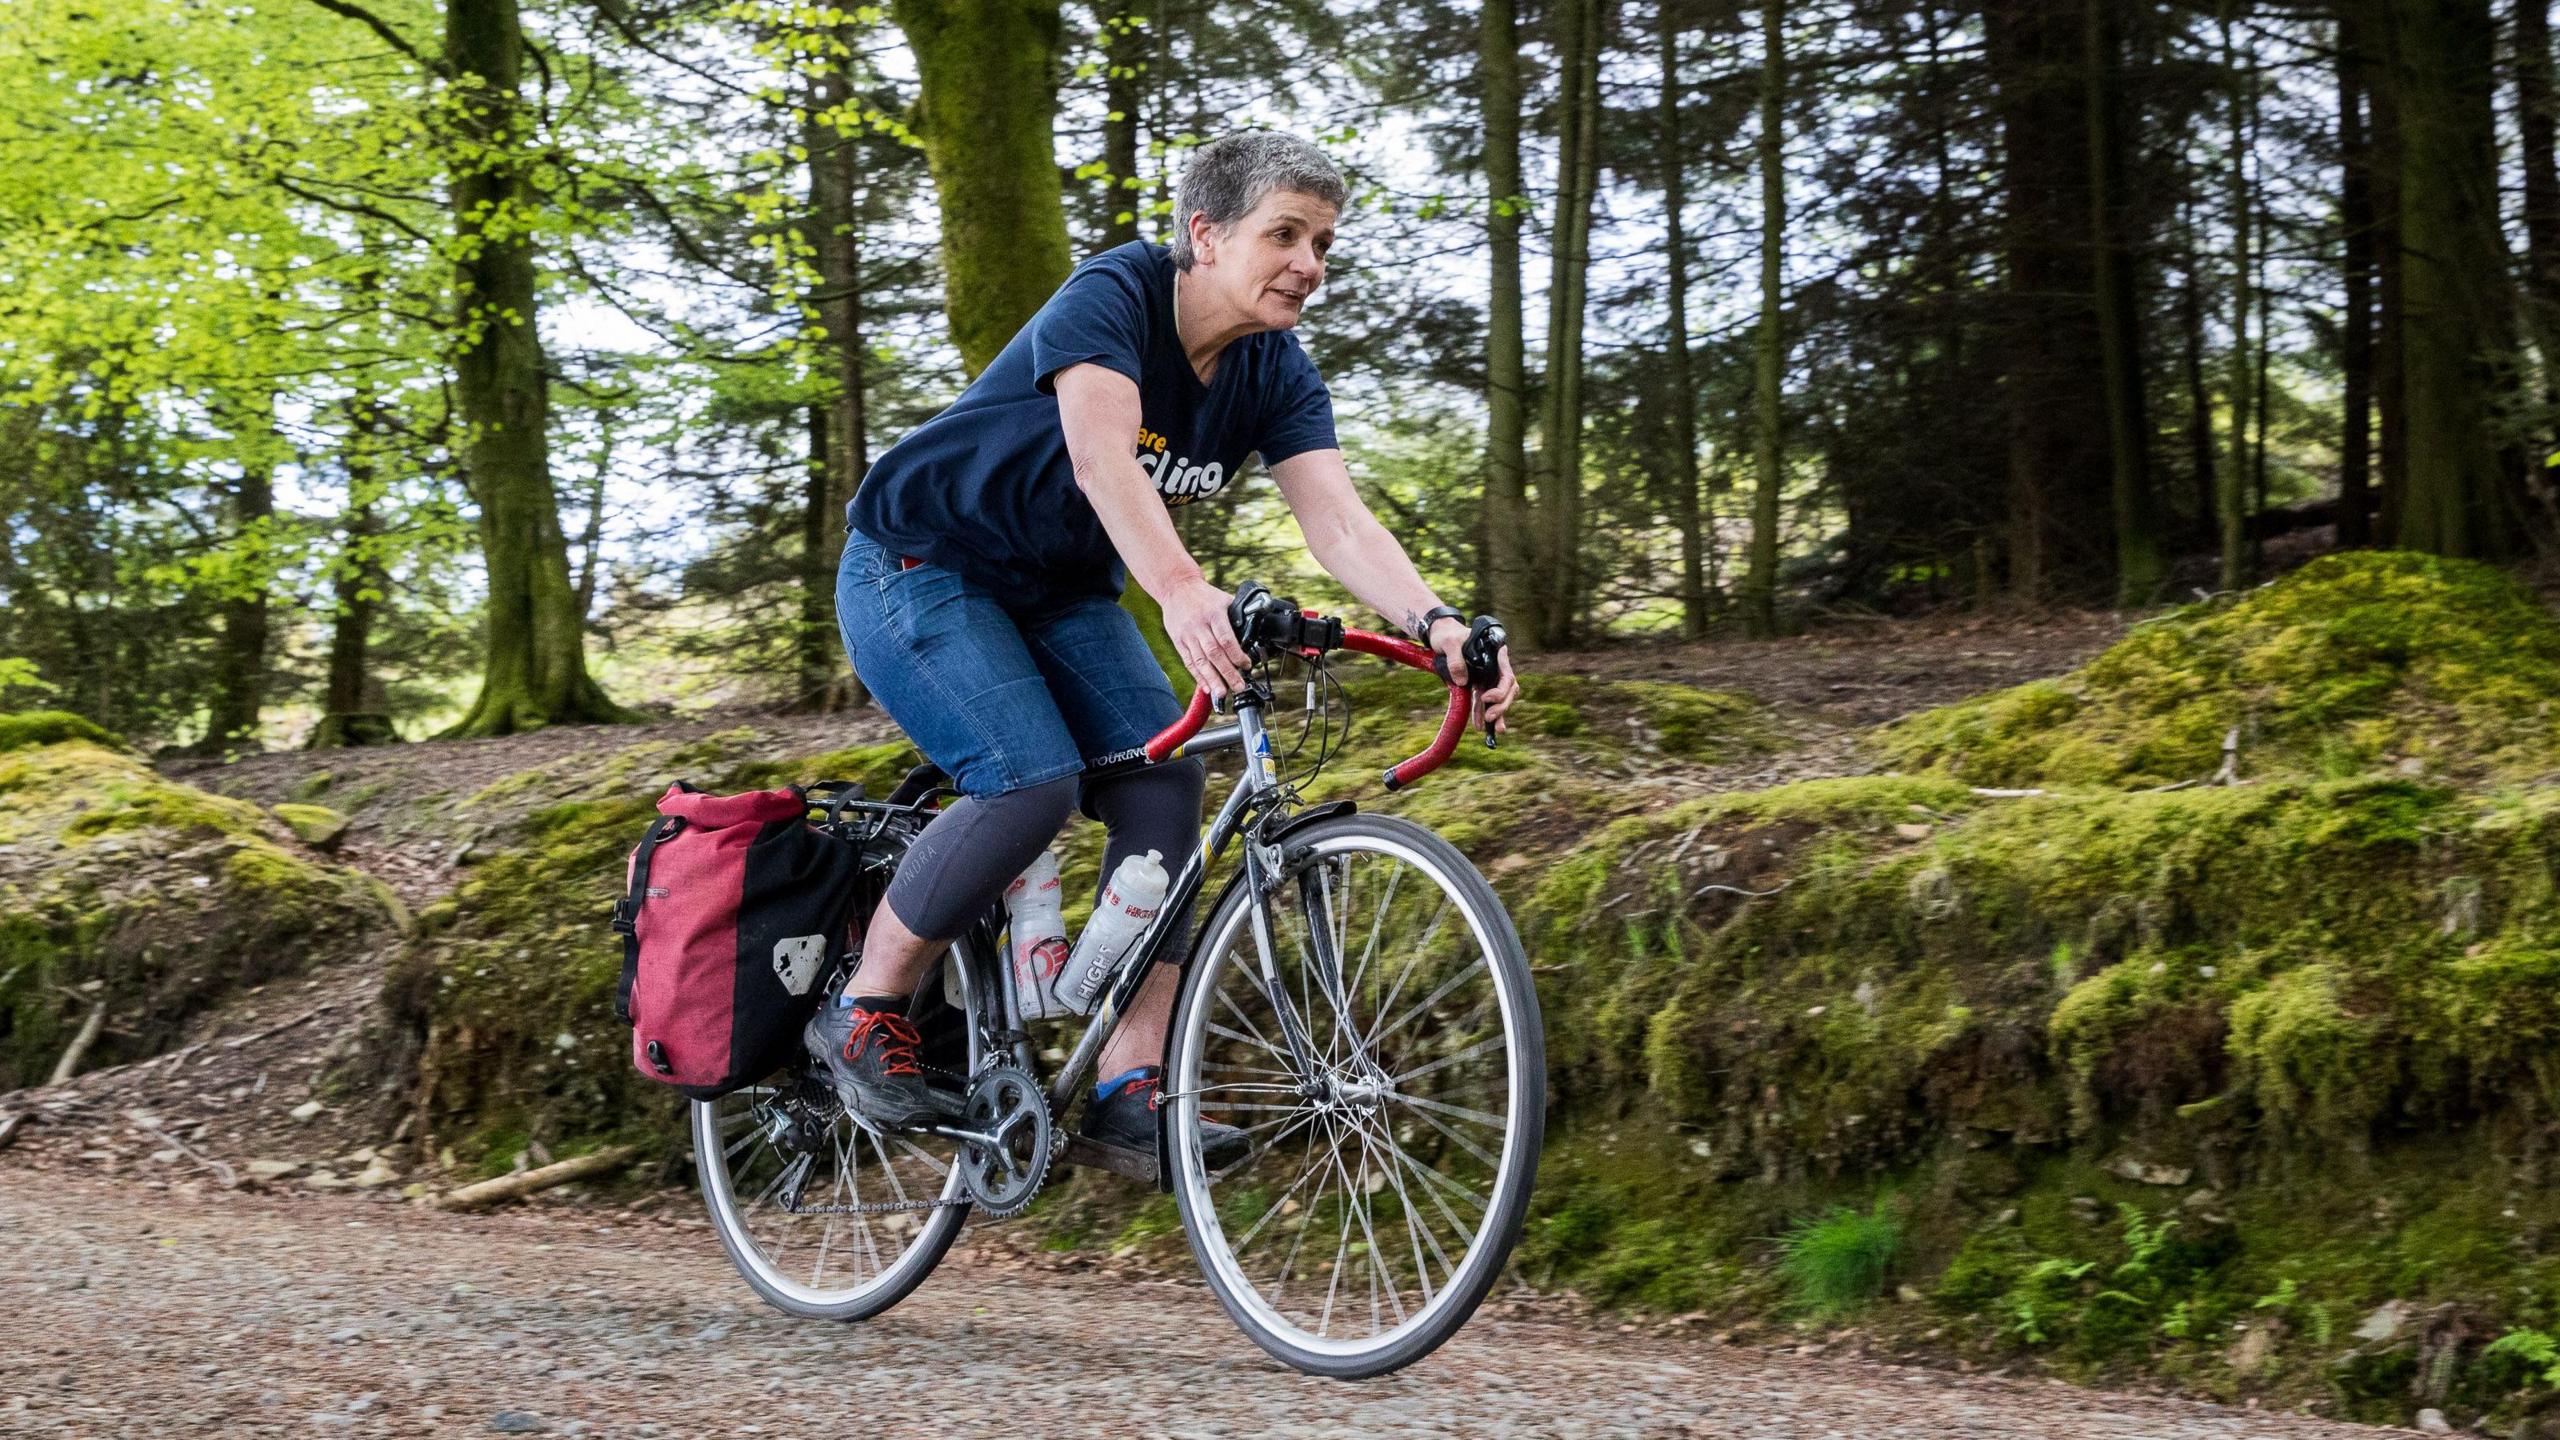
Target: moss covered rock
pixel 317 826
pixel 2351 664
pixel 122 888
pixel 30 728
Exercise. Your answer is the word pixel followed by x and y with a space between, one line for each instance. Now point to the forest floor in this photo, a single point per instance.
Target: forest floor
pixel 242 1230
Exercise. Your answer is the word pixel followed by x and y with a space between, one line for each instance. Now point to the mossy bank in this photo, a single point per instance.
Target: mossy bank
pixel 144 901
pixel 2251 1084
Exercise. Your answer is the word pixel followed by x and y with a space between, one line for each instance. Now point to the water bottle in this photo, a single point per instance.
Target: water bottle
pixel 1129 904
pixel 1037 952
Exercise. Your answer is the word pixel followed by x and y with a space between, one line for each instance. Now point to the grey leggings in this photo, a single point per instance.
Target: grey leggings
pixel 961 863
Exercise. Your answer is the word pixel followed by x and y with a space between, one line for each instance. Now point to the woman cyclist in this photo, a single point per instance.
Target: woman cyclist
pixel 979 589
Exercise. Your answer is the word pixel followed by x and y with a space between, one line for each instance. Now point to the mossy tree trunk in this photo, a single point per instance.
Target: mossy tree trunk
pixel 2458 347
pixel 1511 556
pixel 1769 346
pixel 839 425
pixel 987 72
pixel 535 670
pixel 240 654
pixel 1682 472
pixel 2139 565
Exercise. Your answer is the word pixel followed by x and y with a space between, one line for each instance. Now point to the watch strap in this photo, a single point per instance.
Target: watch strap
pixel 1433 616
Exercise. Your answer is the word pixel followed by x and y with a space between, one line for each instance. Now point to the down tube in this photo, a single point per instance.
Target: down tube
pixel 1150 944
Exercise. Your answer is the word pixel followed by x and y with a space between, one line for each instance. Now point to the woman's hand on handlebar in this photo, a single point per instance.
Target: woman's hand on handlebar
pixel 1449 638
pixel 1195 619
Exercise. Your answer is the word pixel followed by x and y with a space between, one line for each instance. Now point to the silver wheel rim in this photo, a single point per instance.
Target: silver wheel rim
pixel 1396 1190
pixel 834 1260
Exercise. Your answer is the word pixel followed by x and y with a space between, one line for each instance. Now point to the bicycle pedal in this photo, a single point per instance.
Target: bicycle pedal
pixel 1129 1164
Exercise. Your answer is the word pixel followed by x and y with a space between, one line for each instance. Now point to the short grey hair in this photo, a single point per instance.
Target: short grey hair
pixel 1229 176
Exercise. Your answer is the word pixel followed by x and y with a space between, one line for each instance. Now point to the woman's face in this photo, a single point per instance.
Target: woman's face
pixel 1268 263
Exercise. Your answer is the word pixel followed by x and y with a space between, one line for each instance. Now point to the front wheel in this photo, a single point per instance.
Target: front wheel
pixel 1380 1046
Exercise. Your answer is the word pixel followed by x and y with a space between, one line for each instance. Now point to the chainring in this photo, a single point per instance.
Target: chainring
pixel 1006 1101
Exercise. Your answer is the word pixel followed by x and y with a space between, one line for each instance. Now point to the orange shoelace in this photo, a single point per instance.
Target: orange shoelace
pixel 890 1037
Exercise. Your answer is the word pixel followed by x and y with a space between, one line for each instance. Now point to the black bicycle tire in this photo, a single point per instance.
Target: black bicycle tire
pixel 867 1304
pixel 1512 1203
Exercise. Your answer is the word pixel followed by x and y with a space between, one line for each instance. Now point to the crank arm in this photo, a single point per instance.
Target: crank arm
pixel 966 1137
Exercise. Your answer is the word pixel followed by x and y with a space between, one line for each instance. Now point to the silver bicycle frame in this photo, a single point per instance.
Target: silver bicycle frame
pixel 1248 733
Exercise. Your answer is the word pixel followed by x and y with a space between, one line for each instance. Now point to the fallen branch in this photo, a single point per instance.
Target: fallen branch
pixel 9 1127
pixel 516 1187
pixel 1989 793
pixel 2229 774
pixel 78 1049
pixel 255 1036
pixel 222 1172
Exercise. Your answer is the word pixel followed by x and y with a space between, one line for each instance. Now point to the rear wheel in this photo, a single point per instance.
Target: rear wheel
pixel 825 1215
pixel 1390 1069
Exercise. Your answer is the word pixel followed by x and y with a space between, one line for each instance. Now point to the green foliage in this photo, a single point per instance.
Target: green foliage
pixel 2355 662
pixel 2530 1357
pixel 1840 1259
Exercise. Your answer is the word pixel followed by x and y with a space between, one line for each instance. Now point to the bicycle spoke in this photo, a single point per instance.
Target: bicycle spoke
pixel 1425 1004
pixel 1446 1061
pixel 1430 932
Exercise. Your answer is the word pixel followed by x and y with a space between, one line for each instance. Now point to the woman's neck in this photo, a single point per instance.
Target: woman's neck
pixel 1203 331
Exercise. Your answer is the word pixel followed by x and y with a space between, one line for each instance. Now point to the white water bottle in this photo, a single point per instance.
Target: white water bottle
pixel 1129 904
pixel 1036 952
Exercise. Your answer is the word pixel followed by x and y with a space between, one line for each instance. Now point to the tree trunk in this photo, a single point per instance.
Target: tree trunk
pixel 2458 343
pixel 2379 29
pixel 2053 382
pixel 355 712
pixel 1560 456
pixel 591 535
pixel 2355 214
pixel 2139 567
pixel 1769 350
pixel 986 111
pixel 1510 561
pixel 240 657
pixel 535 669
pixel 2231 499
pixel 839 442
pixel 2535 111
pixel 1682 473
pixel 2200 461
pixel 1124 56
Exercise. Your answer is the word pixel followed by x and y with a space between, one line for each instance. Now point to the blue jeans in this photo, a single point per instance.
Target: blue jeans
pixel 1000 698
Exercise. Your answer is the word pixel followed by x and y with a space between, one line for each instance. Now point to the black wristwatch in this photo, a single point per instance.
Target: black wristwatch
pixel 1433 616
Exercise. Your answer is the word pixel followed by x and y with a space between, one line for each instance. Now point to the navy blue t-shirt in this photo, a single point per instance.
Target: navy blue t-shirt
pixel 985 488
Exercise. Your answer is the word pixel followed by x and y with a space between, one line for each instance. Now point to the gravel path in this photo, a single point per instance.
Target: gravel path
pixel 132 1310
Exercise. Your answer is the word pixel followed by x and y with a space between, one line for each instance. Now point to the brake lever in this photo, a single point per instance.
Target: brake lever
pixel 1486 640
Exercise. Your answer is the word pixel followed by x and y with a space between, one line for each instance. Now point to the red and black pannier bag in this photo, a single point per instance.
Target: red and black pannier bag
pixel 737 906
